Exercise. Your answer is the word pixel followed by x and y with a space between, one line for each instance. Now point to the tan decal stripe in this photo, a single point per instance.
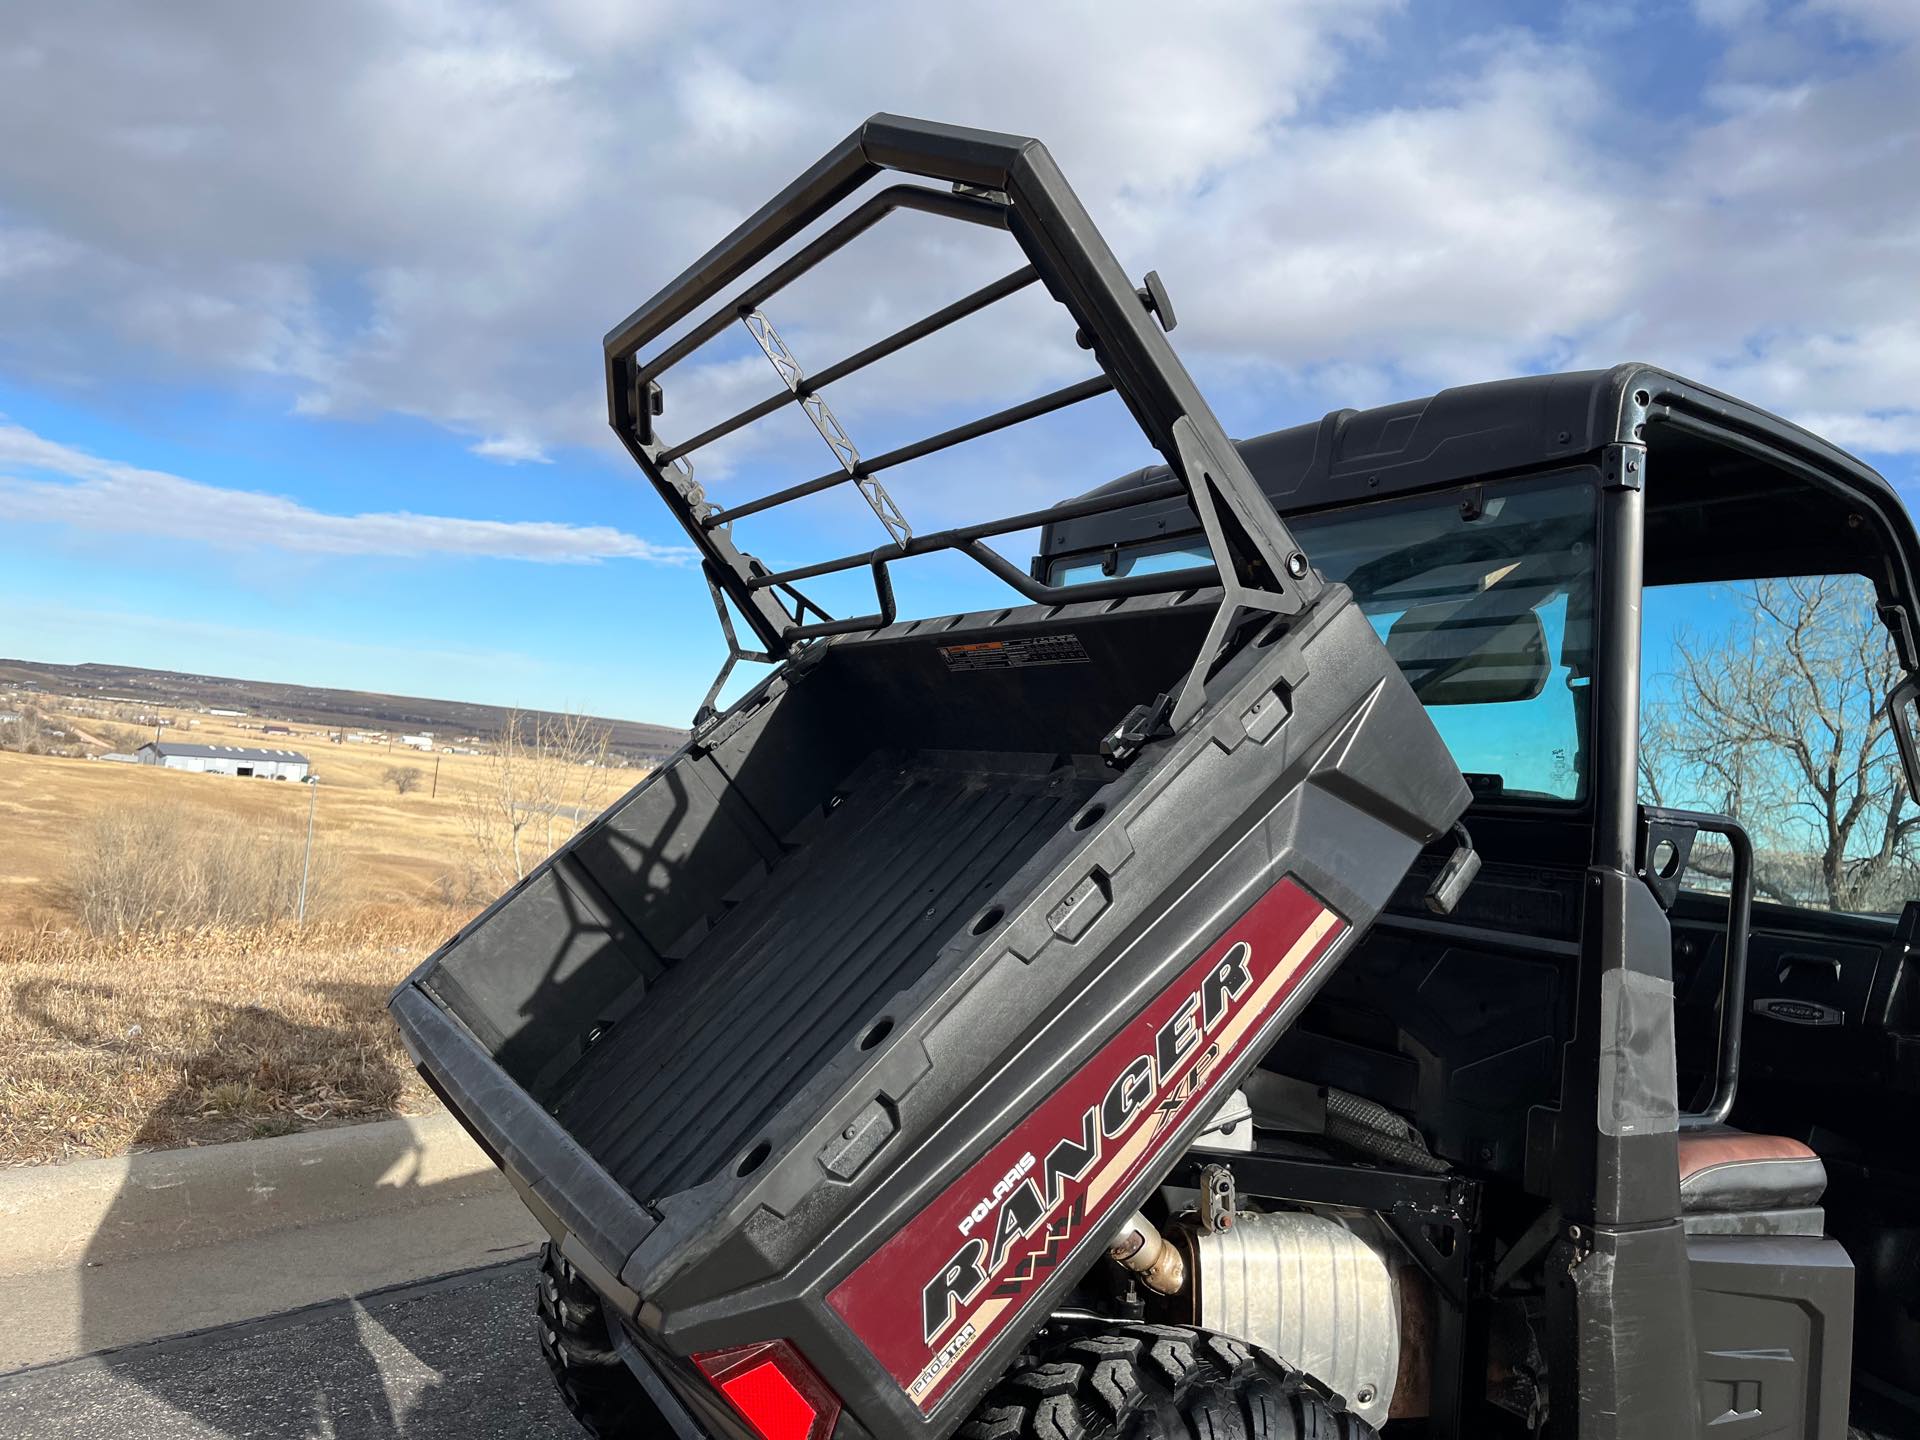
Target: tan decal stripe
pixel 1250 1010
pixel 1117 1169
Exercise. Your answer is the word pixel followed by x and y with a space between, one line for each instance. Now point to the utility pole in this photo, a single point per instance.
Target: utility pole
pixel 306 864
pixel 435 791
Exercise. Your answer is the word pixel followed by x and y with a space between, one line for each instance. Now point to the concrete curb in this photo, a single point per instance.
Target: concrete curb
pixel 95 1211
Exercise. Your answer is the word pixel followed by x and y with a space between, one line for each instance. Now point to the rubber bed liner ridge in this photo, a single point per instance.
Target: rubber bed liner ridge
pixel 916 842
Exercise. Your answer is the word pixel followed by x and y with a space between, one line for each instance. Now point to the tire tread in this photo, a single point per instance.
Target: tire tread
pixel 1126 1381
pixel 595 1384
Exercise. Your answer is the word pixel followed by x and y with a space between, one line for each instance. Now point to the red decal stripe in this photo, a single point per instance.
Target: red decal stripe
pixel 926 1301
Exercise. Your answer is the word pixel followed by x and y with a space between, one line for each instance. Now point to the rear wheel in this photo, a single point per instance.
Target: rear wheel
pixel 603 1394
pixel 1156 1382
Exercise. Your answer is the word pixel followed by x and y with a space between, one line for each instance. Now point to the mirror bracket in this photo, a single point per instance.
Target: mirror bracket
pixel 1665 851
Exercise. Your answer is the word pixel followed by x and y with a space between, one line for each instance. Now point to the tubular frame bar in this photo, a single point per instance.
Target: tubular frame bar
pixel 875 209
pixel 964 536
pixel 919 330
pixel 918 449
pixel 1733 982
pixel 996 179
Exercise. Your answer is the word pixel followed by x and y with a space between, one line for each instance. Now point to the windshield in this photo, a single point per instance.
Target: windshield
pixel 1484 596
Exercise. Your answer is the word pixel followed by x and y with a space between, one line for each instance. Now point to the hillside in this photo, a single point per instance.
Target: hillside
pixel 311 704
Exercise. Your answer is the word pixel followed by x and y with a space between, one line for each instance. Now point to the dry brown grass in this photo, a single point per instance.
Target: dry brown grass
pixel 193 1037
pixel 154 1034
pixel 393 849
pixel 165 868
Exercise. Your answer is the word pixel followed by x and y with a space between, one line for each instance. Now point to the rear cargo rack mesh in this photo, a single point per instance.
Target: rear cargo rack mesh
pixel 999 181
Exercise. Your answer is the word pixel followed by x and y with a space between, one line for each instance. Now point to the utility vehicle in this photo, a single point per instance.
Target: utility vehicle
pixel 1093 1017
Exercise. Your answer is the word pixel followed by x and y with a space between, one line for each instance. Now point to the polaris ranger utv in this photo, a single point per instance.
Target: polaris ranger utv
pixel 1092 1018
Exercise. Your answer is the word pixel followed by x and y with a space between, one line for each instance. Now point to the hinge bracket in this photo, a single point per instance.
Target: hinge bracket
pixel 1281 582
pixel 1623 466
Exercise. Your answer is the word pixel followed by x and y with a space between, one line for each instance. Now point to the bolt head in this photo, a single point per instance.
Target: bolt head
pixel 1297 565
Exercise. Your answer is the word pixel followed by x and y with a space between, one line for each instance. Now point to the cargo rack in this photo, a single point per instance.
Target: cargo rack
pixel 999 181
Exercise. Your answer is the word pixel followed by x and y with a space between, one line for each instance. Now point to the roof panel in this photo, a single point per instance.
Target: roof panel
pixel 224 752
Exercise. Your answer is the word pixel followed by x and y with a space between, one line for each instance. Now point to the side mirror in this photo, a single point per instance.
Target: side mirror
pixel 1903 708
pixel 1452 656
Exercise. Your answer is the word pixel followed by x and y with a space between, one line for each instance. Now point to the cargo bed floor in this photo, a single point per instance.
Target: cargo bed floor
pixel 856 911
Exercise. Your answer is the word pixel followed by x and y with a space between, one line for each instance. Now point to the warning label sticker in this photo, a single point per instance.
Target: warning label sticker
pixel 1014 653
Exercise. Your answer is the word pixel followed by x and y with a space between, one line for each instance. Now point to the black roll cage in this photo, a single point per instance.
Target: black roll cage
pixel 1008 182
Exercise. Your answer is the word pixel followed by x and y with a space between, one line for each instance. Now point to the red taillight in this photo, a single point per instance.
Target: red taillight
pixel 775 1391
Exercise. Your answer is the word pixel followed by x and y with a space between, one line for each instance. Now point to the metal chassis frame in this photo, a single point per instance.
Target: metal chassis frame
pixel 1415 1207
pixel 1003 181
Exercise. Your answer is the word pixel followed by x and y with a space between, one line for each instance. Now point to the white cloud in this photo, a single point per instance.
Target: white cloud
pixel 472 196
pixel 1452 239
pixel 105 495
pixel 1885 19
pixel 1887 434
pixel 511 450
pixel 1729 14
pixel 437 210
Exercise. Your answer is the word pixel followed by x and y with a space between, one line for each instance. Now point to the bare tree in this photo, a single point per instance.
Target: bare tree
pixel 546 776
pixel 1783 722
pixel 579 756
pixel 404 778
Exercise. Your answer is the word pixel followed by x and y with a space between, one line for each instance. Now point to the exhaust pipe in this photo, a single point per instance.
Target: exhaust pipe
pixel 1141 1248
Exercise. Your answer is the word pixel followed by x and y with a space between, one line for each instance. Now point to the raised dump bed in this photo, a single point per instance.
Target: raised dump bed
pixel 837 939
pixel 940 902
pixel 834 845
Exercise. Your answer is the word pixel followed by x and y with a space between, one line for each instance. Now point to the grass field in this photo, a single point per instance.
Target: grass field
pixel 392 849
pixel 192 1036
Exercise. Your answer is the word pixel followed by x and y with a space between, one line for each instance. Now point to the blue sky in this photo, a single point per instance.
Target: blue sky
pixel 299 316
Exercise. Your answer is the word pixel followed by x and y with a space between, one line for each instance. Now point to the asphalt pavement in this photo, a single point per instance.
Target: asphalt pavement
pixel 454 1357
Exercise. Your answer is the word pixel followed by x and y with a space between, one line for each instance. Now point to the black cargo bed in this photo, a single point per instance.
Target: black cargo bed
pixel 869 892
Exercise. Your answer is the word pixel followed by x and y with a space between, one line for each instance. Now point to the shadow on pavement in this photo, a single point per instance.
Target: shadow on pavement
pixel 337 1386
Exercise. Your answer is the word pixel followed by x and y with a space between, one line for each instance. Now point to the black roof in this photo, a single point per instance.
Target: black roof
pixel 1528 424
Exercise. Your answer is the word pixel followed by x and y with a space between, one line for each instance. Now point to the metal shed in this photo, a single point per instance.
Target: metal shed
pixel 227 760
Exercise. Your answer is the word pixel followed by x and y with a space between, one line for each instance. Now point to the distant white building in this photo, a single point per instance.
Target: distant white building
pixel 422 741
pixel 227 760
pixel 229 714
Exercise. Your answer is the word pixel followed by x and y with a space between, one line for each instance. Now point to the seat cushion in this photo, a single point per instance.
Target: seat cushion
pixel 1726 1169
